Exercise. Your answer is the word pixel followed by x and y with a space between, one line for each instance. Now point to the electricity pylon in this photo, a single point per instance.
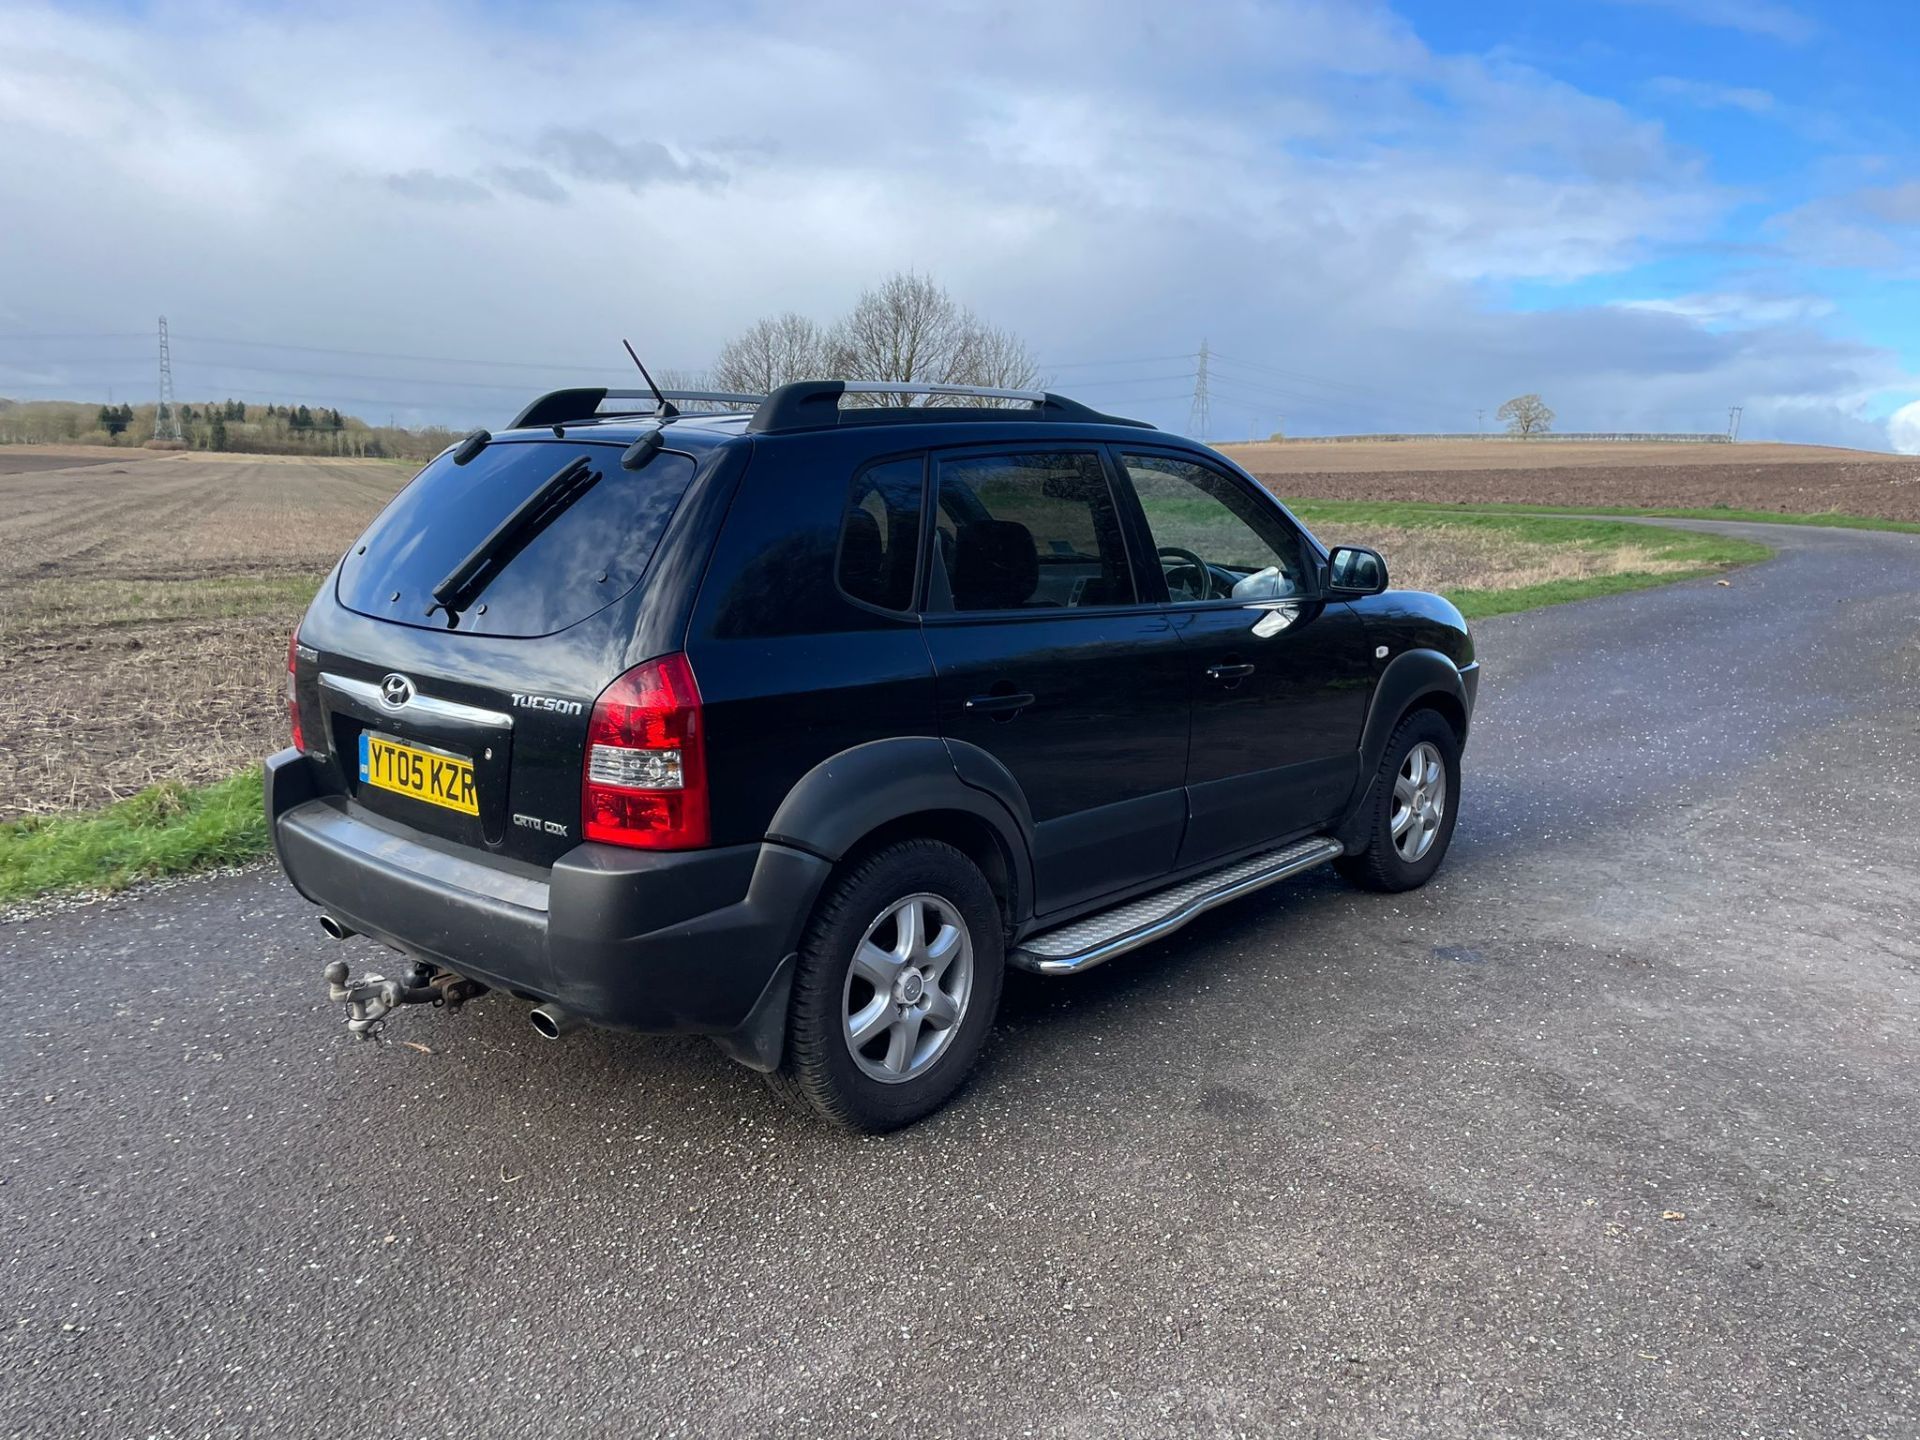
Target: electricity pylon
pixel 166 415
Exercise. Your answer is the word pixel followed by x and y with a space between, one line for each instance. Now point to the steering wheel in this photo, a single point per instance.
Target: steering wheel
pixel 1201 589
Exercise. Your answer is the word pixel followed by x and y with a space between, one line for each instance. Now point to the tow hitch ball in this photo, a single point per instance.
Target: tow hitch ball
pixel 370 998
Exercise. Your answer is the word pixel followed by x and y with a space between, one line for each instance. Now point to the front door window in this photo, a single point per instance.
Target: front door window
pixel 1212 539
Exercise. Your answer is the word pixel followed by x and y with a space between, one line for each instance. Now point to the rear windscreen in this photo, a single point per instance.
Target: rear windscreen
pixel 582 555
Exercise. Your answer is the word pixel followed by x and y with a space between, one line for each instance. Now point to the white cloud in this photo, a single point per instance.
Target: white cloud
pixel 1738 308
pixel 1714 97
pixel 1874 228
pixel 1307 184
pixel 1904 428
pixel 1766 18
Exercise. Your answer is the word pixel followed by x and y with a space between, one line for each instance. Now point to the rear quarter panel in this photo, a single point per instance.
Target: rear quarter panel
pixel 791 672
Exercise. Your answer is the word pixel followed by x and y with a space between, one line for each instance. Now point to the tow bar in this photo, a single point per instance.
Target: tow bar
pixel 371 998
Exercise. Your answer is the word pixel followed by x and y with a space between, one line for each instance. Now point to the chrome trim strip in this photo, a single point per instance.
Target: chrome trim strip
pixel 368 694
pixel 1023 959
pixel 909 387
pixel 719 397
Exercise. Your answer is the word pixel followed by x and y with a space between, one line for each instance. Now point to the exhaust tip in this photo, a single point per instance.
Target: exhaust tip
pixel 552 1022
pixel 336 929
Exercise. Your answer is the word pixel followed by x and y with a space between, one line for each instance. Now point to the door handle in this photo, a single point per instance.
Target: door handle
pixel 1008 705
pixel 1229 672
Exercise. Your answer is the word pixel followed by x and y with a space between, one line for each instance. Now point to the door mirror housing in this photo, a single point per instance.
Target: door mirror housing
pixel 1356 570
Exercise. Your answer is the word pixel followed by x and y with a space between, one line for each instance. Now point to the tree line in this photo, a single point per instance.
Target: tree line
pixel 221 425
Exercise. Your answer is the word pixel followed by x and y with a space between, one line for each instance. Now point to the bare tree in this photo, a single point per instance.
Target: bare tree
pixel 1526 415
pixel 995 357
pixel 907 328
pixel 673 378
pixel 770 353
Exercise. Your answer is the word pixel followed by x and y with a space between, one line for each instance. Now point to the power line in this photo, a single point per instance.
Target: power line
pixel 494 385
pixel 21 335
pixel 335 350
pixel 528 367
pixel 1298 377
pixel 1131 380
pixel 1304 402
pixel 373 402
pixel 1266 393
pixel 1089 364
pixel 1431 405
pixel 392 355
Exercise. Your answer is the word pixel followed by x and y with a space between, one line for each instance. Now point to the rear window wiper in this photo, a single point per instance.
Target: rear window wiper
pixel 512 535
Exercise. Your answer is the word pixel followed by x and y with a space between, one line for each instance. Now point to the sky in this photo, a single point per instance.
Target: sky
pixel 1377 217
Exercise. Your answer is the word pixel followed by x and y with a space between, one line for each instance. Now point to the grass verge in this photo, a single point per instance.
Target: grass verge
pixel 1646 555
pixel 167 829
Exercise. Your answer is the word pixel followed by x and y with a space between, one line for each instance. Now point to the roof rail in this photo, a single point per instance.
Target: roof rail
pixel 814 404
pixel 559 407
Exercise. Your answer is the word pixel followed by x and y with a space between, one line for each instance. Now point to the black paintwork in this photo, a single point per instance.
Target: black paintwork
pixel 1084 755
pixel 1099 753
pixel 1276 741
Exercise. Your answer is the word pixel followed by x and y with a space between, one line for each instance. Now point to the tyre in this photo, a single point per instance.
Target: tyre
pixel 897 984
pixel 1411 808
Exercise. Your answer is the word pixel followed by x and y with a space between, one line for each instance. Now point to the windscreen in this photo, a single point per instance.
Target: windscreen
pixel 580 555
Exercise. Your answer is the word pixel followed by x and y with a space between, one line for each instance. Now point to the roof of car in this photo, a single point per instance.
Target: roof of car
pixel 805 405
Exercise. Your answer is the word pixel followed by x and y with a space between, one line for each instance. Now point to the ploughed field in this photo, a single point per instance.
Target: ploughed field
pixel 145 604
pixel 1786 479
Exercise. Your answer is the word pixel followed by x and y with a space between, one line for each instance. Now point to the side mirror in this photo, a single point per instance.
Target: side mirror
pixel 1356 570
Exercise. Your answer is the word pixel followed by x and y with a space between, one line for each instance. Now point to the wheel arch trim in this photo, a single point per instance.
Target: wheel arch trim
pixel 1411 677
pixel 851 795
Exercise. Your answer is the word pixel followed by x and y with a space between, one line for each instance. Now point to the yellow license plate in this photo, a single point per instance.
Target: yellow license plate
pixel 429 775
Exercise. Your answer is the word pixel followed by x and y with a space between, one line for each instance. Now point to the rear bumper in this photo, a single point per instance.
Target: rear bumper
pixel 693 942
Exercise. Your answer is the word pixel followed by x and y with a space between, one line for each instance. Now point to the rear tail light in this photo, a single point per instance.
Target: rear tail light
pixel 646 774
pixel 293 694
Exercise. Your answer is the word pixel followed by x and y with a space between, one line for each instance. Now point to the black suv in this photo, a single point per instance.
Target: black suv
pixel 795 726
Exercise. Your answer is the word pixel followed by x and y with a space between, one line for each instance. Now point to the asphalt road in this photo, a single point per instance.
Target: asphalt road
pixel 1325 1161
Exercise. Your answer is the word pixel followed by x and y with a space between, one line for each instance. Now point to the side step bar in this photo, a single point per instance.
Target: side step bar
pixel 1082 944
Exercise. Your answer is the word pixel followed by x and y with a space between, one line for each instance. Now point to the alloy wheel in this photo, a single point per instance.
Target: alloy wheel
pixel 907 989
pixel 1419 801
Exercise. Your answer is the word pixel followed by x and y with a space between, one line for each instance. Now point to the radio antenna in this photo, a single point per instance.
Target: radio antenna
pixel 660 399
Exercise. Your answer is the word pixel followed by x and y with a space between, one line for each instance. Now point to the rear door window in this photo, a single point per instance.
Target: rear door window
pixel 1031 531
pixel 585 556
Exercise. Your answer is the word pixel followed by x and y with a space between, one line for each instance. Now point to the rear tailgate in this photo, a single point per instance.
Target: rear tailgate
pixel 468 722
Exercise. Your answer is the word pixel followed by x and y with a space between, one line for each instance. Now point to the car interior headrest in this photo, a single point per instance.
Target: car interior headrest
pixel 996 565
